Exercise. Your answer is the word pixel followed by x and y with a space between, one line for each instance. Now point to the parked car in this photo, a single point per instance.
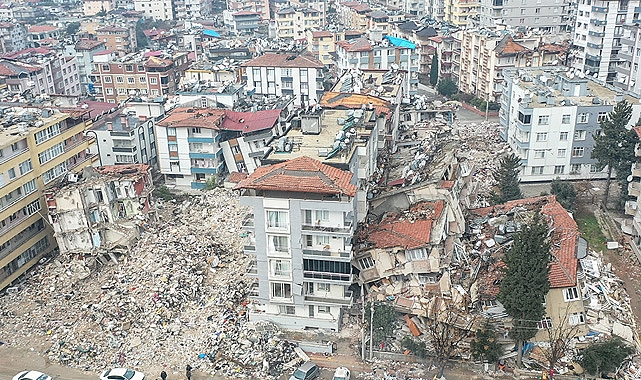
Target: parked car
pixel 31 375
pixel 307 371
pixel 341 373
pixel 122 374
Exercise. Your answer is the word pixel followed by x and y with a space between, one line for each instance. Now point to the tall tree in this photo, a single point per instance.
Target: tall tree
pixel 526 281
pixel 485 345
pixel 614 146
pixel 447 87
pixel 565 193
pixel 603 357
pixel 507 179
pixel 384 320
pixel 434 70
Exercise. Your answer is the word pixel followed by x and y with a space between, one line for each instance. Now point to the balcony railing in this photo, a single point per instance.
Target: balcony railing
pixel 326 253
pixel 317 227
pixel 634 189
pixel 347 300
pixel 12 155
pixel 328 276
pixel 636 169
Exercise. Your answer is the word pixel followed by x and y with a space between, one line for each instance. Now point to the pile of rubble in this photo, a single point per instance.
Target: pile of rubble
pixel 179 297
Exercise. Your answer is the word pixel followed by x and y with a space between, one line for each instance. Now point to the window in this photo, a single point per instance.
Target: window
pixel 47 133
pixel 545 323
pixel 131 80
pixel 539 153
pixel 51 153
pixel 575 169
pixel 537 169
pixel 11 173
pixel 416 254
pixel 105 67
pixel 54 173
pixel 171 131
pixel 278 243
pixel 366 262
pixel 196 131
pixel 280 268
pixel 30 186
pixel 323 287
pixel 196 146
pixel 544 119
pixel 525 119
pixel 281 290
pixel 570 294
pixel 560 153
pixel 121 91
pixel 579 135
pixel 287 309
pixel 127 67
pixel 565 119
pixel 120 79
pixel 583 118
pixel 563 136
pixel 109 91
pixel 322 215
pixel 577 151
pixel 542 136
pixel 288 84
pixel 107 78
pixel 277 219
pixel 322 240
pixel 559 169
pixel 25 167
pixel 594 168
pixel 143 79
pixel 576 319
pixel 153 80
pixel 324 310
pixel 286 72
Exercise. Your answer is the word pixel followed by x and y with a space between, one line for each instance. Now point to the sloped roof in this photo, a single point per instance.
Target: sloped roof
pixel 408 26
pixel 41 28
pixel 507 46
pixel 300 175
pixel 87 44
pixel 15 68
pixel 250 121
pixel 427 32
pixel 235 177
pixel 321 33
pixel 158 62
pixel 401 230
pixel 285 60
pixel 193 117
pixel 638 131
pixel 349 100
pixel 359 44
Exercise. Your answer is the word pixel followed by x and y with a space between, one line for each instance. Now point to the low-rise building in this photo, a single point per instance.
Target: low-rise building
pixel 37 35
pixel 550 117
pixel 300 236
pixel 258 6
pixel 321 45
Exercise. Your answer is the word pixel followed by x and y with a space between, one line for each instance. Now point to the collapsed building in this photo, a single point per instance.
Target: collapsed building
pixel 101 210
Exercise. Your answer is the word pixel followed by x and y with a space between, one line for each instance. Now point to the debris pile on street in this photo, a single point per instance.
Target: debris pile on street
pixel 180 296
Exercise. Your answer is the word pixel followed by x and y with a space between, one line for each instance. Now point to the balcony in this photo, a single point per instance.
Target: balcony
pixel 327 229
pixel 80 161
pixel 598 22
pixel 248 222
pixel 593 57
pixel 12 155
pixel 624 56
pixel 636 169
pixel 595 46
pixel 599 9
pixel 596 34
pixel 634 189
pixel 343 301
pixel 124 149
pixel 252 269
pixel 342 278
pixel 320 254
pixel 631 208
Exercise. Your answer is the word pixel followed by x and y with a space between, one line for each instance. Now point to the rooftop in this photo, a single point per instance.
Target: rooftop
pixel 87 44
pixel 285 60
pixel 41 28
pixel 300 175
pixel 381 83
pixel 17 122
pixel 221 119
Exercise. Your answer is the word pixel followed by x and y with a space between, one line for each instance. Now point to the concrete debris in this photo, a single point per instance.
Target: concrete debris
pixel 179 296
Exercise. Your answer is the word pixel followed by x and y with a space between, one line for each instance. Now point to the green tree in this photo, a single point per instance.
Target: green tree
pixel 415 346
pixel 507 179
pixel 447 87
pixel 141 38
pixel 211 183
pixel 73 28
pixel 565 193
pixel 606 356
pixel 434 70
pixel 385 320
pixel 526 281
pixel 614 146
pixel 485 346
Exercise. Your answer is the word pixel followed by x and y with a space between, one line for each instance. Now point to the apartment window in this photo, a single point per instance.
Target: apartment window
pixel 54 173
pixel 109 91
pixel 576 319
pixel 281 290
pixel 30 186
pixel 31 208
pixel 142 79
pixel 537 11
pixel 107 78
pixel 594 168
pixel 601 116
pixel 120 79
pixel 51 153
pixel 322 240
pixel 153 80
pixel 47 133
pixel 539 153
pixel 322 215
pixel 25 167
pixel 278 243
pixel 324 310
pixel 280 268
pixel 12 173
pixel 196 131
pixel 171 131
pixel 256 73
pixel 560 153
pixel 287 309
pixel 579 135
pixel 563 136
pixel 575 169
pixel 277 219
pixel 121 91
pixel 525 119
pixel 545 323
pixel 323 287
pixel 288 84
pixel 127 67
pixel 544 119
pixel 583 117
pixel 131 80
pixel 2 183
pixel 286 72
pixel 416 254
pixel 537 169
pixel 141 68
pixel 577 151
pixel 366 262
pixel 570 294
pixel 542 136
pixel 565 119
pixel 559 169
pixel 197 146
pixel 537 20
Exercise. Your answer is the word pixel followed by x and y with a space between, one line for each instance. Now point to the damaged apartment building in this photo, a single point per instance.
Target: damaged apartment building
pixel 101 210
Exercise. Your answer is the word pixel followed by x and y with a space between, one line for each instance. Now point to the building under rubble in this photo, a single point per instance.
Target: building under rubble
pixel 101 210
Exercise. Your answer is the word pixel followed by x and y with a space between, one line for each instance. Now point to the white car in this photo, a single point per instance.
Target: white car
pixel 341 373
pixel 122 374
pixel 31 375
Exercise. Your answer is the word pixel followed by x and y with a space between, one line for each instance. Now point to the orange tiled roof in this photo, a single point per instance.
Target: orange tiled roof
pixel 300 175
pixel 193 117
pixel 507 46
pixel 236 177
pixel 41 28
pixel 396 230
pixel 355 101
pixel 322 33
pixel 565 234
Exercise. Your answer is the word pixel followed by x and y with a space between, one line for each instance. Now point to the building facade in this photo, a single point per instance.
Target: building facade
pixel 118 39
pixel 300 238
pixel 34 153
pixel 158 10
pixel 292 23
pixel 13 37
pixel 84 51
pixel 241 22
pixel 550 16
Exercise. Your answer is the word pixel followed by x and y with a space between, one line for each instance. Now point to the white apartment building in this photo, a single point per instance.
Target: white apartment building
pixel 628 74
pixel 300 235
pixel 549 117
pixel 597 35
pixel 550 16
pixel 156 9
pixel 632 226
pixel 280 75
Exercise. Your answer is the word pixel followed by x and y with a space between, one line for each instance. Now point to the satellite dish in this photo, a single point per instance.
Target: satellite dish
pixel 629 178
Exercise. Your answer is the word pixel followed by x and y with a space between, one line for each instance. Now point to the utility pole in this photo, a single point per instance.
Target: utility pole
pixel 487 106
pixel 363 344
pixel 371 330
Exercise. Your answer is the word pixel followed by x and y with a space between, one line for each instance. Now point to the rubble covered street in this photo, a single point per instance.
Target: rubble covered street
pixel 179 297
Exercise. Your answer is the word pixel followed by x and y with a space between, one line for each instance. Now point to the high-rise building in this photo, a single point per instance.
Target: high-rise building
pixel 34 152
pixel 551 16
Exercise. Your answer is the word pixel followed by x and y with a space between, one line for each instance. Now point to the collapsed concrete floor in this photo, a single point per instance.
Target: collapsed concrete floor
pixel 179 295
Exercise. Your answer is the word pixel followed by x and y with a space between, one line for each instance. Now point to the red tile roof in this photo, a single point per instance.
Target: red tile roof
pixel 322 33
pixel 250 121
pixel 285 60
pixel 565 234
pixel 193 117
pixel 300 175
pixel 236 177
pixel 41 28
pixel 360 44
pixel 638 131
pixel 398 230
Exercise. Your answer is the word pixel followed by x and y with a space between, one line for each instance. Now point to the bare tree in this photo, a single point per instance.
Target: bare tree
pixel 448 326
pixel 560 337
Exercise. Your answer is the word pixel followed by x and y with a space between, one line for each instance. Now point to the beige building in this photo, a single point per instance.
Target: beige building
pixel 119 39
pixel 259 6
pixel 458 11
pixel 91 7
pixel 292 22
pixel 321 44
pixel 33 156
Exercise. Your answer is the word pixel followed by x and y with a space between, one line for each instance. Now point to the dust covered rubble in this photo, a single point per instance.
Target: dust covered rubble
pixel 179 297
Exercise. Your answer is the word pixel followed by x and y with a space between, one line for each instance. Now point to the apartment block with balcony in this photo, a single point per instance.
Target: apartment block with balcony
pixel 84 51
pixel 241 22
pixel 258 6
pixel 117 38
pixel 549 117
pixel 628 75
pixel 549 16
pixel 632 226
pixel 42 147
pixel 459 11
pixel 293 22
pixel 158 10
pixel 299 238
pixel 598 31
pixel 13 37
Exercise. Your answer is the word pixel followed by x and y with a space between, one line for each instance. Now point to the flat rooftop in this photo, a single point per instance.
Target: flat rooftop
pixel 381 83
pixel 16 123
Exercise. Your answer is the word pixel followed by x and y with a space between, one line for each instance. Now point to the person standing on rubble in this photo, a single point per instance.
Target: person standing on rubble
pixel 163 375
pixel 188 372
